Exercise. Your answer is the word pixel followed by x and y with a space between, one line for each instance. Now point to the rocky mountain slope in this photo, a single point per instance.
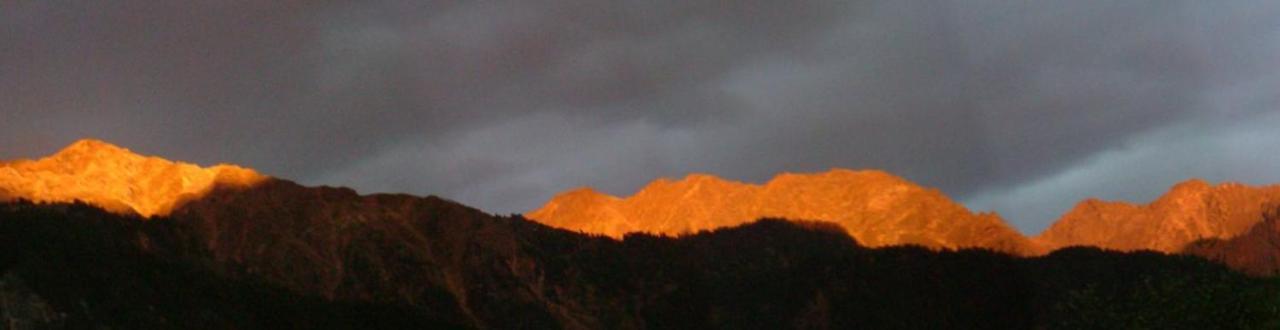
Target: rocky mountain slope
pixel 1190 211
pixel 882 210
pixel 876 208
pixel 1256 252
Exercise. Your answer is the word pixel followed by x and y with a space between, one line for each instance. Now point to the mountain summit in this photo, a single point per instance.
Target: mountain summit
pixel 1192 210
pixel 876 208
pixel 115 179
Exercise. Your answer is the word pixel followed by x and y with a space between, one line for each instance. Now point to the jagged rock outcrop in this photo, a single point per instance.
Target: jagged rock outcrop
pixel 876 208
pixel 115 179
pixel 1191 211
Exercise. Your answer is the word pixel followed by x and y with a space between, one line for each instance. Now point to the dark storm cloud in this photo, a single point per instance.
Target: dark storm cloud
pixel 502 104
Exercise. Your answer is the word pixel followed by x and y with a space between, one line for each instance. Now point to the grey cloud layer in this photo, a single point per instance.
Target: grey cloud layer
pixel 502 104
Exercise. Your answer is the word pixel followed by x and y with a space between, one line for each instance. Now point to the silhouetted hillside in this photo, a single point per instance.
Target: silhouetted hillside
pixel 78 267
pixel 282 255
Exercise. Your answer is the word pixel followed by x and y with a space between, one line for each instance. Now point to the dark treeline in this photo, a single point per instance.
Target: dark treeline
pixel 74 266
pixel 88 271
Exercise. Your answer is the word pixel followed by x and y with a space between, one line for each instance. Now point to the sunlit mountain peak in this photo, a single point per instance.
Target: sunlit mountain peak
pixel 1191 210
pixel 116 179
pixel 875 207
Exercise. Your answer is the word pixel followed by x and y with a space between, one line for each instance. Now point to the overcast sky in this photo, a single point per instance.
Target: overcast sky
pixel 1020 107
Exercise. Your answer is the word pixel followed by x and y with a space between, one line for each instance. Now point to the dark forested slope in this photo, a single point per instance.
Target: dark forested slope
pixel 282 255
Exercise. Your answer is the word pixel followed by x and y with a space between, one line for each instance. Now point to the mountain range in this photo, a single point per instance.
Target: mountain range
pixel 876 208
pixel 879 209
pixel 97 235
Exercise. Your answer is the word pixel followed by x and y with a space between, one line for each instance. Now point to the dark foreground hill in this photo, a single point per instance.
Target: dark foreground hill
pixel 279 255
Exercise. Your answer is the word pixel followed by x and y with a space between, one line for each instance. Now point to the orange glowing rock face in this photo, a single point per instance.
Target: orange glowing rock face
pixel 876 208
pixel 116 179
pixel 1190 211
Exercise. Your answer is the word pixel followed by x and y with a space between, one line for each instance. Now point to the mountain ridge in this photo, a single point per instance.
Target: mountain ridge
pixel 116 179
pixel 414 262
pixel 875 207
pixel 1189 211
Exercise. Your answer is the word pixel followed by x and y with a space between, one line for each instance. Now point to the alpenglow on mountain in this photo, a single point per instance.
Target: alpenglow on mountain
pixel 1191 211
pixel 879 209
pixel 227 248
pixel 115 179
pixel 876 208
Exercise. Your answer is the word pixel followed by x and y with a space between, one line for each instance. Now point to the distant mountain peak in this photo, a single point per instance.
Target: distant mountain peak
pixel 875 207
pixel 1190 187
pixel 1191 210
pixel 92 153
pixel 1192 184
pixel 92 147
pixel 116 179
